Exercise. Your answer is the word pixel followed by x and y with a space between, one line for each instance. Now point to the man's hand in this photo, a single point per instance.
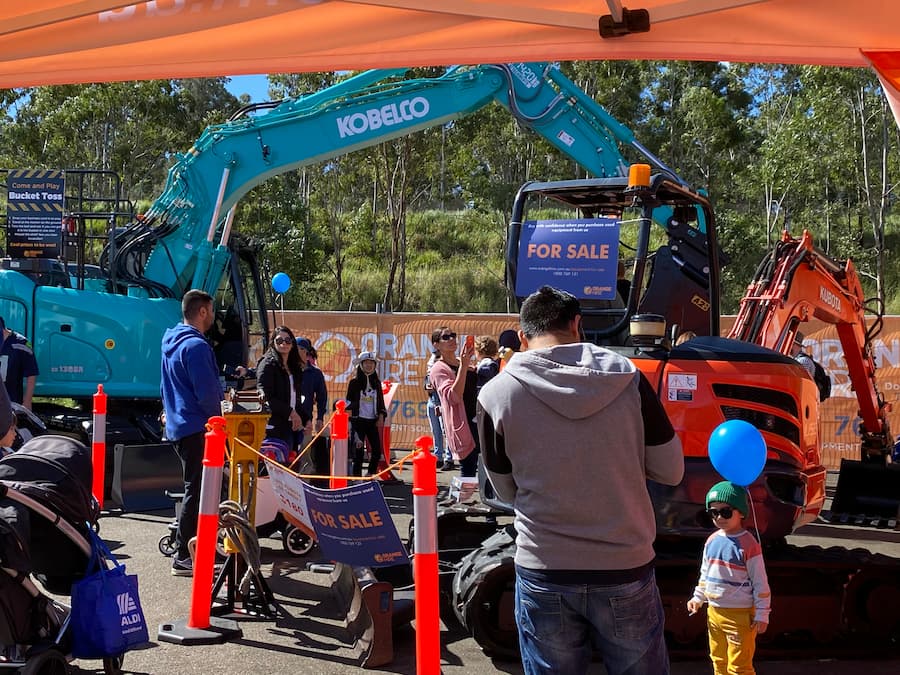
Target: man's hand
pixel 693 606
pixel 296 422
pixel 760 626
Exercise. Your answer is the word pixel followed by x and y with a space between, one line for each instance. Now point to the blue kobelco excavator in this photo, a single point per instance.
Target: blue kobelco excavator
pixel 107 329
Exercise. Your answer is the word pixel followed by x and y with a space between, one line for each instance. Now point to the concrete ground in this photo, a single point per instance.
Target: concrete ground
pixel 310 638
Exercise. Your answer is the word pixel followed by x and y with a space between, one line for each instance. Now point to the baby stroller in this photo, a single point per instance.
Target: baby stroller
pixel 45 509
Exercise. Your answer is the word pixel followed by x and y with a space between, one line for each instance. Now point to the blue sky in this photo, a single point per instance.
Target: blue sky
pixel 255 85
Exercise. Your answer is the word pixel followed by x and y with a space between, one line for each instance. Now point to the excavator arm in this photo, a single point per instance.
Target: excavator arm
pixel 798 282
pixel 182 241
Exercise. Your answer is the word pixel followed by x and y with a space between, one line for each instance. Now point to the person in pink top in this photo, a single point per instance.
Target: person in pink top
pixel 453 378
pixel 733 581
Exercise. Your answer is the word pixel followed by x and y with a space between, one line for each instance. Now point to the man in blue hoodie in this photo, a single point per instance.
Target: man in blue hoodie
pixel 191 394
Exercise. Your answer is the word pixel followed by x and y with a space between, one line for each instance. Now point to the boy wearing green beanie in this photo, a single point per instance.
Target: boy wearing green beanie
pixel 733 581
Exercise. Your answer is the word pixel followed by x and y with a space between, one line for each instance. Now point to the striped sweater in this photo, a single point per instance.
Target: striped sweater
pixel 733 574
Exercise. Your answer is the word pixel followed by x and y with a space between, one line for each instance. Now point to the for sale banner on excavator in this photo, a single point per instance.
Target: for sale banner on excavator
pixel 403 345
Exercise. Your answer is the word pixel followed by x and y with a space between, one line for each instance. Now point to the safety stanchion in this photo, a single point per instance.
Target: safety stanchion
pixel 387 389
pixel 98 446
pixel 340 432
pixel 425 559
pixel 200 628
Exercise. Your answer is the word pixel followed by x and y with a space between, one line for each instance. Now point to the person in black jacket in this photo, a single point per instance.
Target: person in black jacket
pixel 279 383
pixel 365 403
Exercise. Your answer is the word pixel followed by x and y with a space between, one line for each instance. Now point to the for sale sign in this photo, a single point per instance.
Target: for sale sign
pixel 35 202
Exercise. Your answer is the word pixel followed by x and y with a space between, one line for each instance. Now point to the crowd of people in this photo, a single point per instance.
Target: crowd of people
pixel 585 580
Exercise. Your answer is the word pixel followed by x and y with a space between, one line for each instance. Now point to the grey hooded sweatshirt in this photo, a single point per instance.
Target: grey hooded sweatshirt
pixel 569 435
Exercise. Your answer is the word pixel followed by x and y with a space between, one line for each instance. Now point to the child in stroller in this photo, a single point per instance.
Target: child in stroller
pixel 45 509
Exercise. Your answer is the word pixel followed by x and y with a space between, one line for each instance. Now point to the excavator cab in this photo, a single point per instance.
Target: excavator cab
pixel 571 234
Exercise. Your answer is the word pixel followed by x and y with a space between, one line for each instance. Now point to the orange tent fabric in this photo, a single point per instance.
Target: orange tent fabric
pixel 63 41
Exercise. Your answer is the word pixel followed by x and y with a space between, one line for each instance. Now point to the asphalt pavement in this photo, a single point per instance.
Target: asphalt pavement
pixel 309 636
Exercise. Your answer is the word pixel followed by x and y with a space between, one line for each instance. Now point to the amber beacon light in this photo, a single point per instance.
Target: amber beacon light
pixel 638 176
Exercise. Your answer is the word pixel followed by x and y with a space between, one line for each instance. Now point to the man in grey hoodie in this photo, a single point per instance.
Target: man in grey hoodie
pixel 570 434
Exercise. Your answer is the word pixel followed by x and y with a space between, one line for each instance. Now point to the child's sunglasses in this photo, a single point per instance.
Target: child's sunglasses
pixel 725 513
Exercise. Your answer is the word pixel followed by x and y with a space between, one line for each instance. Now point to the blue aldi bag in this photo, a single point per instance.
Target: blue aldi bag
pixel 107 619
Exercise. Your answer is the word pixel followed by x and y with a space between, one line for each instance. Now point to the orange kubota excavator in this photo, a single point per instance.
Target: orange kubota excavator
pixel 798 282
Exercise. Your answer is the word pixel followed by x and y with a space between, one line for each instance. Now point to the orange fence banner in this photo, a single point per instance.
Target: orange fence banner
pixel 403 345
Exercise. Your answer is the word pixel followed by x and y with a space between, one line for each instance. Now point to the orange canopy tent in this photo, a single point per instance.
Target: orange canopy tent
pixel 64 41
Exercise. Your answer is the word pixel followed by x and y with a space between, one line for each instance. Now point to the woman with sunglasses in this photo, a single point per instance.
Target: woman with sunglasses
pixel 455 382
pixel 278 381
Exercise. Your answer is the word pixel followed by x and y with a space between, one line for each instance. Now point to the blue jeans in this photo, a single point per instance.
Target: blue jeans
pixel 437 431
pixel 561 625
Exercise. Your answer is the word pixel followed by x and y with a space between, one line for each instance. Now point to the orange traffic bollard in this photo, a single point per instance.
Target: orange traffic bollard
pixel 340 432
pixel 199 628
pixel 208 523
pixel 98 446
pixel 425 559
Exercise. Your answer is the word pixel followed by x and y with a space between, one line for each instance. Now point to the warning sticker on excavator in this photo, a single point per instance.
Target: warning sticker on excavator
pixel 682 387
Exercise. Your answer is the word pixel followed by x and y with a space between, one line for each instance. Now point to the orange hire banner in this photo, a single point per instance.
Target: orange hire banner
pixel 403 343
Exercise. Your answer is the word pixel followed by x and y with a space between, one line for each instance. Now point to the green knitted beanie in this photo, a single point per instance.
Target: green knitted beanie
pixel 729 493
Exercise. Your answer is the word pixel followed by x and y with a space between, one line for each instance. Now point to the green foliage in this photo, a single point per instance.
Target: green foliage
pixel 419 223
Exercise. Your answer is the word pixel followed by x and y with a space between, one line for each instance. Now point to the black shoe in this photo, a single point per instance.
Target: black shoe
pixel 449 466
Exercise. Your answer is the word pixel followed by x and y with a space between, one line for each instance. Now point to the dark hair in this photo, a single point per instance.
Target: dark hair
pixel 436 334
pixel 192 301
pixel 363 379
pixel 293 360
pixel 548 310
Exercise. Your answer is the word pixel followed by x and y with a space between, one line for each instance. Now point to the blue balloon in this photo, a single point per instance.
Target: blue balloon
pixel 737 451
pixel 281 282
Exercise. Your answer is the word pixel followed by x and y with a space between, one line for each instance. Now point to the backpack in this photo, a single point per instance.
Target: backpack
pixel 823 381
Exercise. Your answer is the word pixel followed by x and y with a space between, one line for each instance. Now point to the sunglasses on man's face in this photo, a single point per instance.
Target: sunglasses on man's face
pixel 448 336
pixel 725 513
pixel 283 341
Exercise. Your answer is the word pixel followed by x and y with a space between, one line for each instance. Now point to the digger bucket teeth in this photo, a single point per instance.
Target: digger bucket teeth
pixel 867 488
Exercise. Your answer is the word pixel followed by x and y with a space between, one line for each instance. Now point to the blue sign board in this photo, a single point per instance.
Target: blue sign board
pixel 35 201
pixel 578 255
pixel 354 526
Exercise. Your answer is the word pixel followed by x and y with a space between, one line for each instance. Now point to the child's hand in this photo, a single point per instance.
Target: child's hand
pixel 760 626
pixel 693 606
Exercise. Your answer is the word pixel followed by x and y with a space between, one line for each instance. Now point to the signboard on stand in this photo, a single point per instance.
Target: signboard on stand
pixel 35 202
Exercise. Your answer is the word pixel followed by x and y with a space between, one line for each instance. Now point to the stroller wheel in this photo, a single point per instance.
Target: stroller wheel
pixel 166 545
pixel 50 662
pixel 296 541
pixel 112 665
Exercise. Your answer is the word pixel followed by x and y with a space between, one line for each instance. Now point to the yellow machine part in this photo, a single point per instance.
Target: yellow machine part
pixel 244 429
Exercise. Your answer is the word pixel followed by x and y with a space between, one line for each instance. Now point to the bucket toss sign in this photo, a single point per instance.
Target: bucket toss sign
pixel 352 525
pixel 35 200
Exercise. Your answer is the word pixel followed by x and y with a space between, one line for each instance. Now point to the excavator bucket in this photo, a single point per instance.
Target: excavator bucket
pixel 867 489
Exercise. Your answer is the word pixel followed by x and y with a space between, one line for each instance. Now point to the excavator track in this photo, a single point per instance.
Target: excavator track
pixel 829 602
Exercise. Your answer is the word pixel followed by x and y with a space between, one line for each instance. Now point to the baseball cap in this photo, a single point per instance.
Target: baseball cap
pixel 304 343
pixel 366 356
pixel 509 338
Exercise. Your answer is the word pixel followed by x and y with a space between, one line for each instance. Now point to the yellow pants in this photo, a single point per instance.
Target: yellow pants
pixel 731 640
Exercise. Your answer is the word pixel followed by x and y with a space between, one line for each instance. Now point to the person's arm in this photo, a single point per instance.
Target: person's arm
pixel 200 362
pixel 266 384
pixel 8 435
pixel 381 409
pixel 699 597
pixel 759 581
pixel 321 393
pixel 29 391
pixel 445 383
pixel 352 397
pixel 663 458
pixel 494 458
